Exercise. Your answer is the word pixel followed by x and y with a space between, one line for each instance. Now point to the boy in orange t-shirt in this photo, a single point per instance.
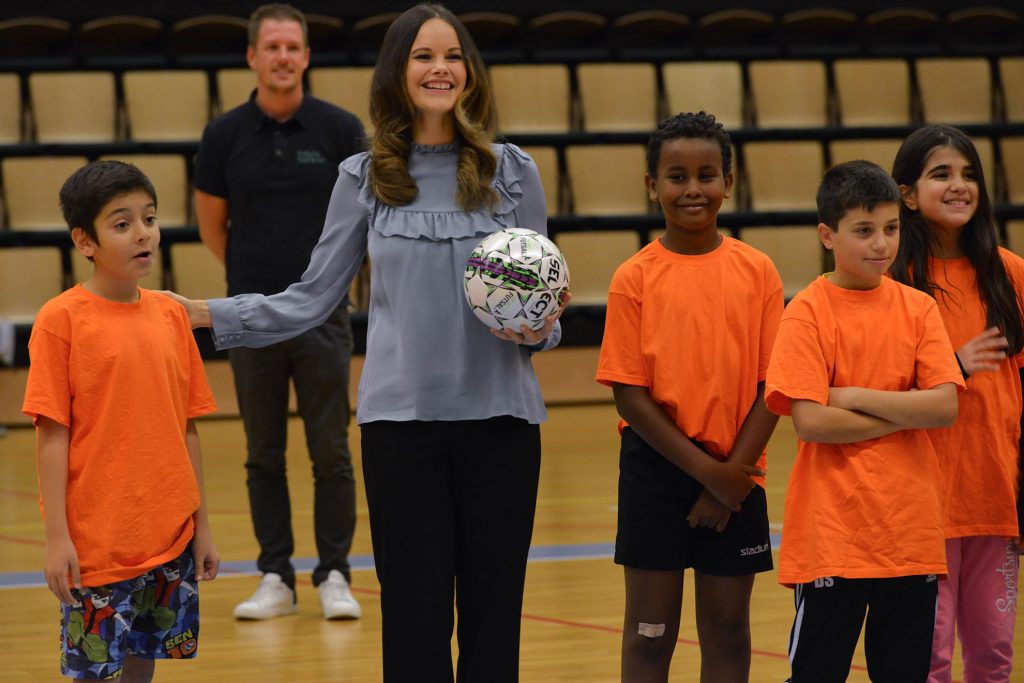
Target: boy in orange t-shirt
pixel 114 385
pixel 863 364
pixel 688 334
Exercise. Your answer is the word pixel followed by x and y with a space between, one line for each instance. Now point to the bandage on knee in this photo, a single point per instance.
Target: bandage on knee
pixel 651 630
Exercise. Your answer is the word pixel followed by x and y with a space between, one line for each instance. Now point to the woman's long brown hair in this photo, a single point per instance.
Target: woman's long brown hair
pixel 392 113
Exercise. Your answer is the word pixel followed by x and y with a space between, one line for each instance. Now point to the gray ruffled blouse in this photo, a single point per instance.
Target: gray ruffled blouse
pixel 427 356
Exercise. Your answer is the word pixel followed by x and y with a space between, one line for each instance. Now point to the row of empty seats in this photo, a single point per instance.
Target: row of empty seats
pixel 85 106
pixel 760 93
pixel 582 180
pixel 29 276
pixel 725 27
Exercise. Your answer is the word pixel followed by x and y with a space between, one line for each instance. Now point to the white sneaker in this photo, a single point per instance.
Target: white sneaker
pixel 273 598
pixel 336 599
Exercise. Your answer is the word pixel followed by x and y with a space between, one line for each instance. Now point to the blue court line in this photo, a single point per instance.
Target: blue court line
pixel 543 553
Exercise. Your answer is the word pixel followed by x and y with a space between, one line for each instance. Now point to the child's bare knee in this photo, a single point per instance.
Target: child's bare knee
pixel 650 630
pixel 648 644
pixel 732 631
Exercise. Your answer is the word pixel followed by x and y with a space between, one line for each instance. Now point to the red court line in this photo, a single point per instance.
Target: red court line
pixel 23 541
pixel 604 629
pixel 612 629
pixel 14 493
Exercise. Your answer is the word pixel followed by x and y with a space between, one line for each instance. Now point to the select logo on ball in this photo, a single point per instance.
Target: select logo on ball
pixel 503 271
pixel 515 277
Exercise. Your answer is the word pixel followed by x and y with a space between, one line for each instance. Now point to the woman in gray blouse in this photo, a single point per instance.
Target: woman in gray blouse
pixel 449 410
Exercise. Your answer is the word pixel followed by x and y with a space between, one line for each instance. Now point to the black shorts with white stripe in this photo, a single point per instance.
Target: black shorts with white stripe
pixel 830 613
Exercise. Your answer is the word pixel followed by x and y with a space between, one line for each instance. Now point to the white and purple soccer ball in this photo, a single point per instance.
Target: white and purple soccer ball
pixel 515 277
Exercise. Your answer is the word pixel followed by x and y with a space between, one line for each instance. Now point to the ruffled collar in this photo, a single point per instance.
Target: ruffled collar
pixel 417 148
pixel 448 221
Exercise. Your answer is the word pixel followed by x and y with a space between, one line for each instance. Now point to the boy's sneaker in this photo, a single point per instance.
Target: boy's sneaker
pixel 336 599
pixel 273 598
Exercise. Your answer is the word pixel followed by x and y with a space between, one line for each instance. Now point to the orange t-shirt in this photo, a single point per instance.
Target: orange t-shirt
pixel 697 331
pixel 868 509
pixel 978 454
pixel 125 379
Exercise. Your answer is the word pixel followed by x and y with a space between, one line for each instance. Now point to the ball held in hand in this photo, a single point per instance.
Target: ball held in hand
pixel 515 277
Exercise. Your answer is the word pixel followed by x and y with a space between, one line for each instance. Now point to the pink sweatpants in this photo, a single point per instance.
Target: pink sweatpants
pixel 978 602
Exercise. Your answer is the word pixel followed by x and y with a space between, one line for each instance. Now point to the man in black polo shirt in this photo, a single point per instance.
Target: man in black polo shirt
pixel 263 178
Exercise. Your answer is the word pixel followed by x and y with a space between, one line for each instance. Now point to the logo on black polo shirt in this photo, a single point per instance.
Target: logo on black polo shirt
pixel 310 156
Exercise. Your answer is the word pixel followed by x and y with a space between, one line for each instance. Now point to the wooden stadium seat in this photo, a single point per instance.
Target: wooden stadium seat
pixel 969 102
pixel 74 106
pixel 734 27
pixel 1011 74
pixel 119 35
pixel 169 175
pixel 153 116
pixel 880 151
pixel 715 87
pixel 347 87
pixel 32 190
pixel 1015 237
pixel 991 28
pixel 196 273
pixel 873 92
pixel 209 34
pixel 546 159
pixel 566 28
pixel 789 93
pixel 324 33
pixel 532 98
pixel 783 176
pixel 732 202
pixel 34 37
pixel 10 109
pixel 493 30
pixel 81 270
pixel 650 28
pixel 366 34
pixel 592 257
pixel 900 29
pixel 818 27
pixel 1012 149
pixel 234 86
pixel 795 250
pixel 618 97
pixel 986 153
pixel 29 277
pixel 607 180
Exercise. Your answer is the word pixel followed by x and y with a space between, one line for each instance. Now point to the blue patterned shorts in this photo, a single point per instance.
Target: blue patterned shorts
pixel 153 616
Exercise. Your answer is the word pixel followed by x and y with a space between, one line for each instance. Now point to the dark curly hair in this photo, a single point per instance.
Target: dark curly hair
pixel 688 125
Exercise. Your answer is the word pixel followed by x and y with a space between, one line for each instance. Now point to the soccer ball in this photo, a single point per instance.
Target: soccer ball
pixel 515 277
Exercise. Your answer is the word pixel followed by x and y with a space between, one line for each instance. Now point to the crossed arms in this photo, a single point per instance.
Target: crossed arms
pixel 858 414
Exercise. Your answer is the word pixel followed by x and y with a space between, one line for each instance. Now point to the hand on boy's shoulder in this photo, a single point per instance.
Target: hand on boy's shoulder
pixel 174 296
pixel 190 306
